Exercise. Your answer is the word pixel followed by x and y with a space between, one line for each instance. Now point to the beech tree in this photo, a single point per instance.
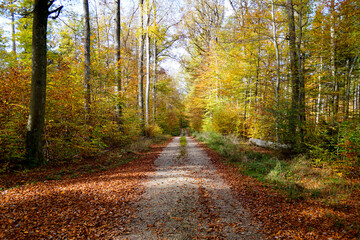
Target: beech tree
pixel 141 68
pixel 147 88
pixel 294 69
pixel 284 71
pixel 118 58
pixel 67 122
pixel 87 61
pixel 35 125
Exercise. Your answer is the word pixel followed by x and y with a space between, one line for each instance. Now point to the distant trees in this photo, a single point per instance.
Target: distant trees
pixel 80 120
pixel 283 71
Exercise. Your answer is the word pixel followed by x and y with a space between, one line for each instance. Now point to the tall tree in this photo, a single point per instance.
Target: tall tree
pixel 294 69
pixel 87 61
pixel 147 38
pixel 13 39
pixel 154 79
pixel 336 83
pixel 118 58
pixel 36 120
pixel 141 66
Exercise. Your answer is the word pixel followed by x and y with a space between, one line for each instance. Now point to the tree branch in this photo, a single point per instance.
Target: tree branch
pixel 57 11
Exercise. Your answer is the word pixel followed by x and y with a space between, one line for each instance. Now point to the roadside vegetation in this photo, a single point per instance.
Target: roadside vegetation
pixel 297 177
pixel 294 196
pixel 79 166
pixel 183 141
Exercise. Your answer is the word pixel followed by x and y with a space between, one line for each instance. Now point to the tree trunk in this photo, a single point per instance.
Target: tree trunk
pixel 301 100
pixel 318 111
pixel 357 100
pixel 13 39
pixel 147 93
pixel 36 120
pixel 140 67
pixel 87 62
pixel 118 58
pixel 277 85
pixel 335 100
pixel 101 86
pixel 276 47
pixel 294 70
pixel 348 86
pixel 154 80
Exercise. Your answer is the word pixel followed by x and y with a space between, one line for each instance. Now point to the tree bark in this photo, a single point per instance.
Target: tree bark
pixel 147 93
pixel 318 110
pixel 118 58
pixel 276 47
pixel 348 86
pixel 301 60
pixel 154 80
pixel 140 68
pixel 294 70
pixel 87 62
pixel 13 39
pixel 36 121
pixel 335 100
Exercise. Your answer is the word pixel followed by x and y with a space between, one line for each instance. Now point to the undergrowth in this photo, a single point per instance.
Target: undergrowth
pixel 296 178
pixel 183 141
pixel 104 160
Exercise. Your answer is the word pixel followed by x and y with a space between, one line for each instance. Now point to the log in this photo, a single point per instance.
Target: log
pixel 268 144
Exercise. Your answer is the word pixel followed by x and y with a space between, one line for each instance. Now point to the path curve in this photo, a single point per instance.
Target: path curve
pixel 185 198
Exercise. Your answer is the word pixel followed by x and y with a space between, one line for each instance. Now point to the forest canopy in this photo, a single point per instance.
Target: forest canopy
pixel 285 71
pixel 92 97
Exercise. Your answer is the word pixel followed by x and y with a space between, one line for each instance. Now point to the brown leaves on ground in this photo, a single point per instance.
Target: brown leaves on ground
pixel 94 206
pixel 283 219
pixel 99 206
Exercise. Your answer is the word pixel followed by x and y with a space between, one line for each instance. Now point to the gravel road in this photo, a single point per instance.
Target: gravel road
pixel 185 198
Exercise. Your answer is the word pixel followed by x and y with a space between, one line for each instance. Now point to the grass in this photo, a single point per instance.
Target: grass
pixel 183 141
pixel 296 178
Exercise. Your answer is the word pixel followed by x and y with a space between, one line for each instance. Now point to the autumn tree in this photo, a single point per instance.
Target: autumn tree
pixel 140 67
pixel 294 70
pixel 148 73
pixel 35 126
pixel 118 58
pixel 87 60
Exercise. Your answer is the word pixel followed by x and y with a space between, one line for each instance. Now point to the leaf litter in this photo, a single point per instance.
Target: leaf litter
pixel 284 219
pixel 104 205
pixel 92 206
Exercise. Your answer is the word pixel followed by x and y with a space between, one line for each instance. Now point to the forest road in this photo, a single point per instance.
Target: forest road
pixel 185 198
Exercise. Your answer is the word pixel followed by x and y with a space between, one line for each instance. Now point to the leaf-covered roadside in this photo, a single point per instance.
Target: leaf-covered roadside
pixel 94 206
pixel 284 219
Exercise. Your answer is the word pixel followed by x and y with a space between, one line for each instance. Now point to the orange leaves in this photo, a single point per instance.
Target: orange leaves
pixel 281 219
pixel 96 206
pixel 177 218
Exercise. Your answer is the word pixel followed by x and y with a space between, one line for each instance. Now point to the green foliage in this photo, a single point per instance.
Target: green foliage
pixel 183 141
pixel 297 178
pixel 226 146
pixel 337 145
pixel 153 131
pixel 170 124
pixel 349 146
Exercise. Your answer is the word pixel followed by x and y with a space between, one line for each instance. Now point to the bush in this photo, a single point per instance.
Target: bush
pixel 153 131
pixel 227 146
pixel 337 145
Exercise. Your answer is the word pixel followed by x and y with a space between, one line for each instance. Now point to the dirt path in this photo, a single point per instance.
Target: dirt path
pixel 186 199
